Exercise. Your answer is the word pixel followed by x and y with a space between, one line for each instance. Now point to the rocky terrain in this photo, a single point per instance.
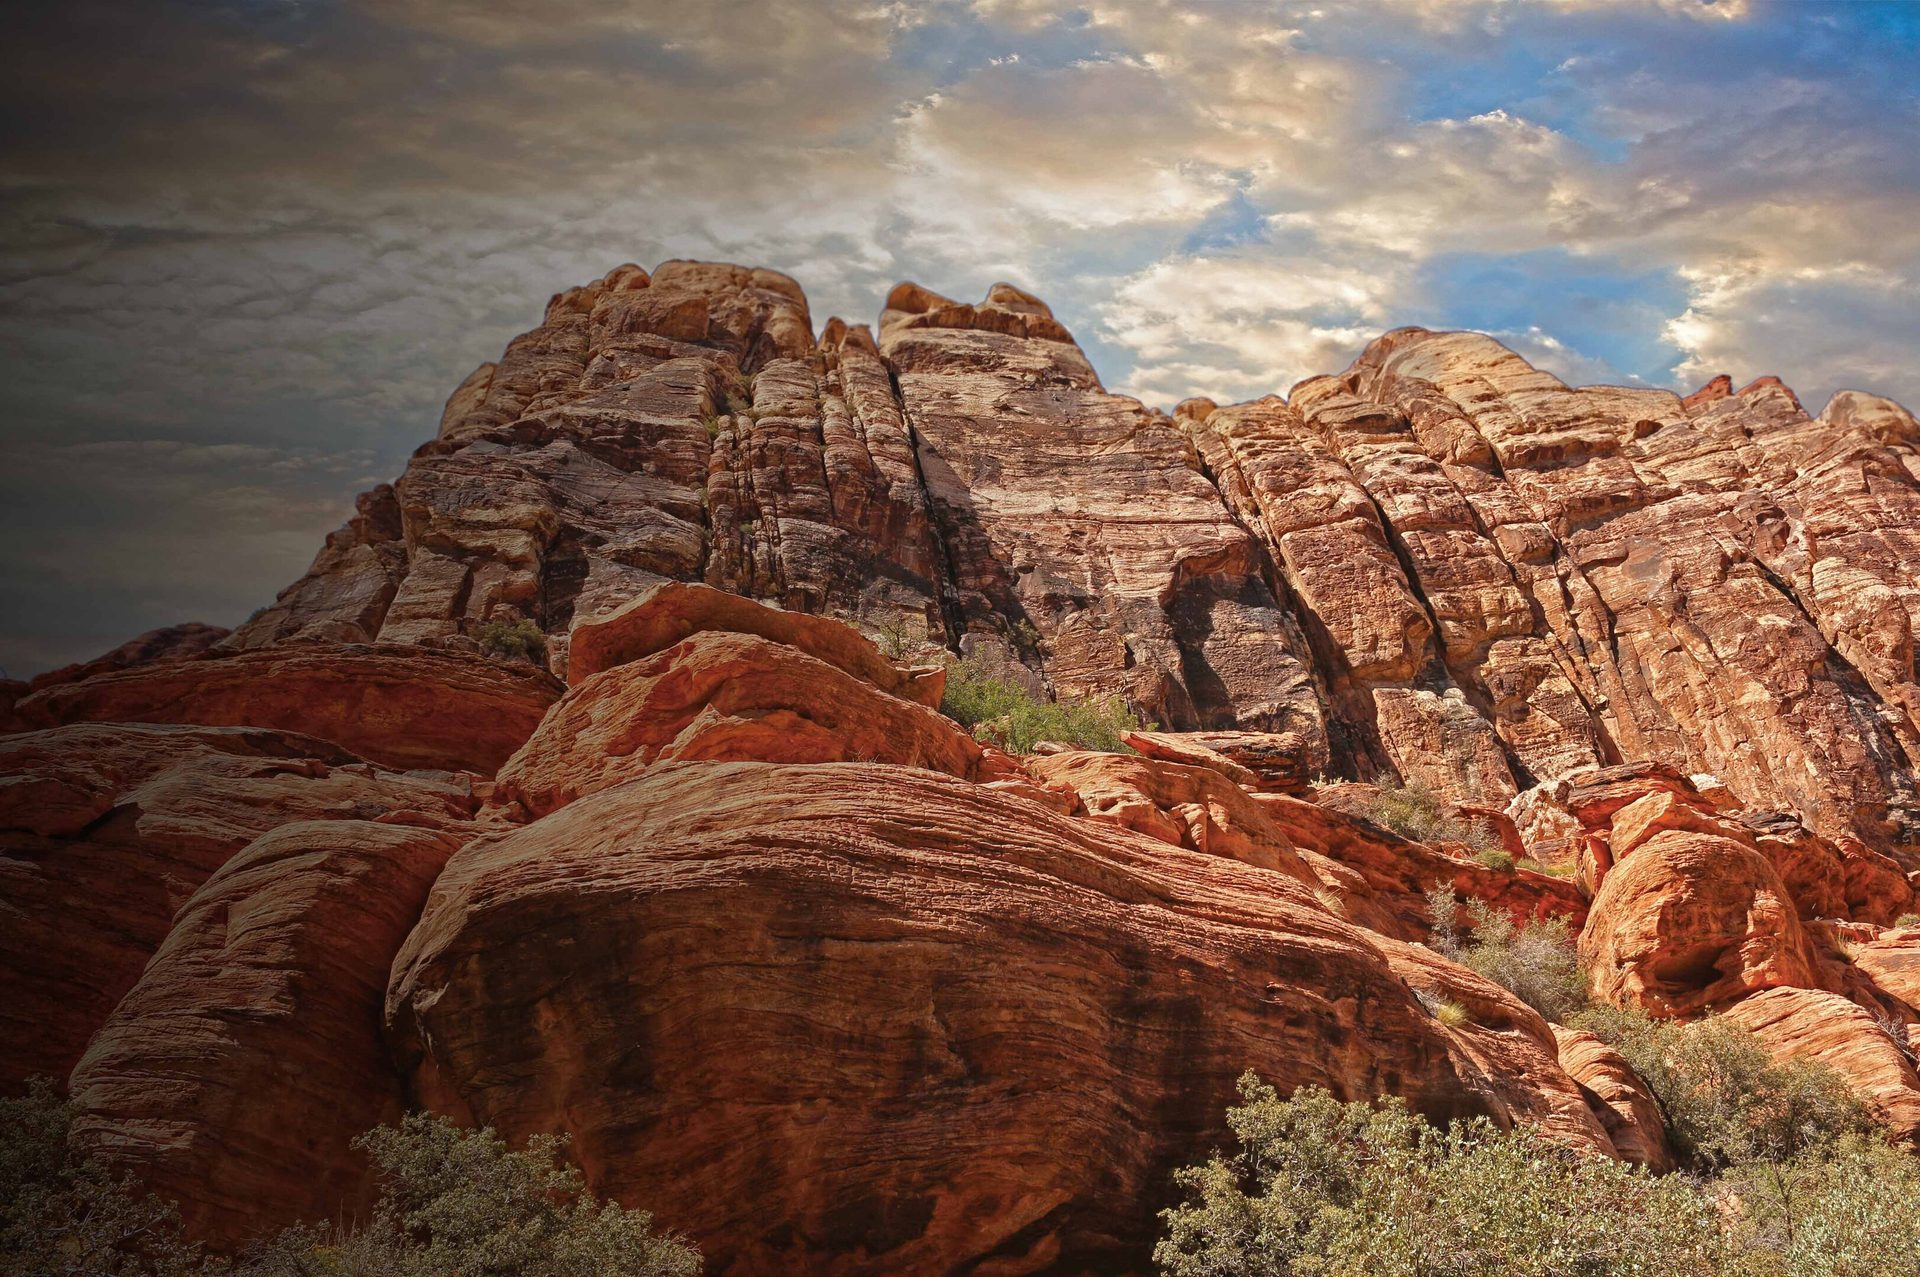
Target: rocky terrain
pixel 594 778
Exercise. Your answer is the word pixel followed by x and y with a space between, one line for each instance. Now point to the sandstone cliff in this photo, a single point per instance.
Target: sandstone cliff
pixel 818 977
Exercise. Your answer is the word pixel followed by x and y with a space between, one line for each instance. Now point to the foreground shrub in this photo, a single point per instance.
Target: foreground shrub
pixel 61 1213
pixel 1538 962
pixel 1852 1210
pixel 1321 1187
pixel 1725 1099
pixel 452 1202
pixel 1003 713
pixel 460 1202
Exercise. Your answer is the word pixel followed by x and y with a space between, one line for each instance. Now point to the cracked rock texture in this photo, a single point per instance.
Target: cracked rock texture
pixel 1440 565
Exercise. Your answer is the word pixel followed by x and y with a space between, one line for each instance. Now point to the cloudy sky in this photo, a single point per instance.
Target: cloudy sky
pixel 247 247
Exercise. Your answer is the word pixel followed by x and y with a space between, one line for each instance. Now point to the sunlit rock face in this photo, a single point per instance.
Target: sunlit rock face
pixel 593 777
pixel 1441 564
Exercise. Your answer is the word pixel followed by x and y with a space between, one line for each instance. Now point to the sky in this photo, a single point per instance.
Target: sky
pixel 247 247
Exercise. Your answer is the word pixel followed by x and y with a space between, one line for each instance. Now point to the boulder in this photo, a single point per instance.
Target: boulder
pixel 847 1018
pixel 724 696
pixel 1690 921
pixel 234 1075
pixel 110 829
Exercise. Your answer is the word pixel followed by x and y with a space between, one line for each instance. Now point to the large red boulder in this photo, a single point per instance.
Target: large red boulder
pixel 233 1076
pixel 861 1019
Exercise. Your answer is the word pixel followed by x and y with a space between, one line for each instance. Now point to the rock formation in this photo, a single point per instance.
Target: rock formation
pixel 594 777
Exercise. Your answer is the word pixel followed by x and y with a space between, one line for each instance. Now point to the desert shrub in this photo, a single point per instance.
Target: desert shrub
pixel 518 639
pixel 1494 858
pixel 1321 1187
pixel 459 1201
pixel 1852 1210
pixel 1724 1097
pixel 1537 961
pixel 1907 920
pixel 1003 713
pixel 890 635
pixel 452 1201
pixel 61 1213
pixel 1416 812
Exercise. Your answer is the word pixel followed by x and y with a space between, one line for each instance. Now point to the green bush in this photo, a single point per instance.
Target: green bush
pixel 460 1202
pixel 1493 858
pixel 1416 812
pixel 1907 920
pixel 1725 1099
pixel 1537 962
pixel 61 1213
pixel 1003 713
pixel 519 639
pixel 452 1202
pixel 1852 1212
pixel 1321 1187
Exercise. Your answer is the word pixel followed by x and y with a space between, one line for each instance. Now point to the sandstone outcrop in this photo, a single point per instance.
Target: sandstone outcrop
pixel 1442 564
pixel 1811 1024
pixel 110 829
pixel 1690 921
pixel 719 697
pixel 927 1026
pixel 1617 1096
pixel 402 706
pixel 233 1075
pixel 168 643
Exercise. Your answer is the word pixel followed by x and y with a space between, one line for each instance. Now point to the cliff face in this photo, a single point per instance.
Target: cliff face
pixel 821 980
pixel 1441 564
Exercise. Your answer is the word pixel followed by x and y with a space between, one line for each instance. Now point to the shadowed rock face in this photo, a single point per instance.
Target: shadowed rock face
pixel 827 984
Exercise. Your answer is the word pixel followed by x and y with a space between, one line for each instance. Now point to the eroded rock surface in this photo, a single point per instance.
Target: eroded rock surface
pixel 856 1019
pixel 108 830
pixel 401 706
pixel 235 1074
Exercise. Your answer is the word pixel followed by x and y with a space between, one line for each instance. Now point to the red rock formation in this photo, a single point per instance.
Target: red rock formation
pixel 719 697
pixel 1617 1096
pixel 1442 564
pixel 927 1026
pixel 669 613
pixel 169 643
pixel 234 1075
pixel 110 829
pixel 865 996
pixel 402 706
pixel 1811 1024
pixel 1690 921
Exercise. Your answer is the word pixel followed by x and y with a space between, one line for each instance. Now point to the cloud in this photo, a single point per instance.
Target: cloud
pixel 246 250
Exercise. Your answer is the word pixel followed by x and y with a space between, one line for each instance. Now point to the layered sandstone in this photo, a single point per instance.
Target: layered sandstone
pixel 110 829
pixel 395 705
pixel 1441 565
pixel 873 1019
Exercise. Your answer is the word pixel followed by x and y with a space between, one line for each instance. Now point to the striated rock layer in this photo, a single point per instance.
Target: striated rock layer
pixel 1441 565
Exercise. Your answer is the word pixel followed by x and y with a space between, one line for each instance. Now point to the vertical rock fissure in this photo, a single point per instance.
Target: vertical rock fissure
pixel 946 589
